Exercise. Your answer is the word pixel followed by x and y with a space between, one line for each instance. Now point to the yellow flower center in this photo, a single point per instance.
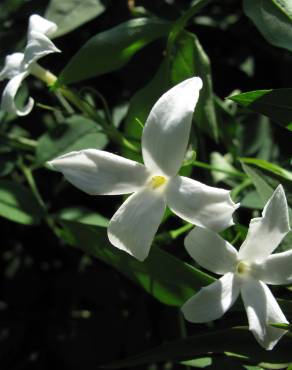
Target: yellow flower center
pixel 242 268
pixel 157 181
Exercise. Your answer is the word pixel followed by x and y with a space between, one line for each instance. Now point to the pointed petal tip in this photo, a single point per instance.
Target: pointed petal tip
pixel 280 192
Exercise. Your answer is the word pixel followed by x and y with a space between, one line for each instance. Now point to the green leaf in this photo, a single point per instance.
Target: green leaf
pixel 70 14
pixel 75 134
pixel 112 49
pixel 236 340
pixel 273 18
pixel 172 285
pixel 18 204
pixel 264 190
pixel 275 104
pixel 83 216
pixel 6 166
pixel 189 59
pixel 282 326
pixel 252 200
pixel 270 167
pixel 141 104
pixel 198 362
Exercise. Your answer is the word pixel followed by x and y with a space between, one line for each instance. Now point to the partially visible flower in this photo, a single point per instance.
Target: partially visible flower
pixel 19 65
pixel 164 143
pixel 246 271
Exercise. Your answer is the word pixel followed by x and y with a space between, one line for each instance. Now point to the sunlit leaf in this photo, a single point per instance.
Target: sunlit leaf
pixel 18 204
pixel 271 167
pixel 273 18
pixel 275 104
pixel 83 216
pixel 189 59
pixel 111 49
pixel 70 14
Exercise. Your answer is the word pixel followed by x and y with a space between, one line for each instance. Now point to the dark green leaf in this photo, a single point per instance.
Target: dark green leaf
pixel 236 340
pixel 264 190
pixel 273 18
pixel 112 49
pixel 18 204
pixel 141 104
pixel 252 200
pixel 70 14
pixel 189 59
pixel 173 284
pixel 75 134
pixel 275 104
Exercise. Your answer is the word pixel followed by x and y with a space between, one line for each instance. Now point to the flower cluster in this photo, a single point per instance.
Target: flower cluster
pixel 156 184
pixel 19 65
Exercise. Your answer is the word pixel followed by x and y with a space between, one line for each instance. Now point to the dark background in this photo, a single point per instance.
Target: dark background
pixel 59 308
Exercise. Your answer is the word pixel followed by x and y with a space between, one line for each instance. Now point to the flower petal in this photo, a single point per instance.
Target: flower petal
pixel 41 25
pixel 213 301
pixel 133 226
pixel 166 132
pixel 9 93
pixel 210 251
pixel 38 46
pixel 265 233
pixel 101 173
pixel 200 204
pixel 276 269
pixel 13 66
pixel 262 310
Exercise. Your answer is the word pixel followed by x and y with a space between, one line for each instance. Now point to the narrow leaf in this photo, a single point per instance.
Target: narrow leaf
pixel 236 340
pixel 270 167
pixel 172 285
pixel 112 49
pixel 275 104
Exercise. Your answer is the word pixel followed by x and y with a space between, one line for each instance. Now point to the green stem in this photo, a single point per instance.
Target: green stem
pixel 110 130
pixel 19 142
pixel 180 24
pixel 32 184
pixel 167 237
pixel 181 230
pixel 238 189
pixel 50 79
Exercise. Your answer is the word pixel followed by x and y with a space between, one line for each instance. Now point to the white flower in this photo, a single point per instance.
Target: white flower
pixel 19 65
pixel 246 271
pixel 164 142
